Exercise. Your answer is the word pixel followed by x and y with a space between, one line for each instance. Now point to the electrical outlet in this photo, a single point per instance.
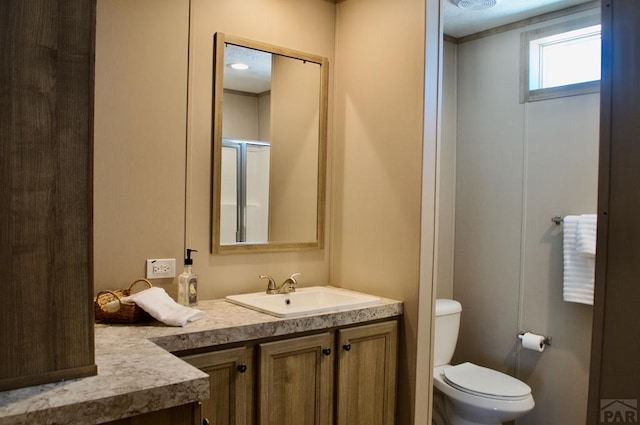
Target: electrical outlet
pixel 161 268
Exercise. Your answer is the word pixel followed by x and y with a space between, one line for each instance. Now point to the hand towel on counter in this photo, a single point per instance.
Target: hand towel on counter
pixel 162 307
pixel 579 270
pixel 586 235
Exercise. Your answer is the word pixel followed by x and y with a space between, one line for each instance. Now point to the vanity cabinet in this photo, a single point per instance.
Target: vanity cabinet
pixel 366 375
pixel 230 380
pixel 343 376
pixel 296 381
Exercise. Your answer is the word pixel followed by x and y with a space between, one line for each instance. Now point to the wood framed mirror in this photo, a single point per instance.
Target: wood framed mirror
pixel 269 147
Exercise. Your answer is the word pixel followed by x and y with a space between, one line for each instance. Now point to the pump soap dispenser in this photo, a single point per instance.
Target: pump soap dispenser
pixel 188 283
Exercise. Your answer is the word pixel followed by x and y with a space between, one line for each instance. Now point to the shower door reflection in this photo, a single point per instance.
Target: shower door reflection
pixel 244 209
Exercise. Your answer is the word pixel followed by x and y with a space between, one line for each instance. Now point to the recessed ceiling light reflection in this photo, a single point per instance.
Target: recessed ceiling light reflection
pixel 238 66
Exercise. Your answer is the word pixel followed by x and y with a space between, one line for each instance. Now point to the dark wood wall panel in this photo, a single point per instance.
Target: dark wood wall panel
pixel 46 157
pixel 615 363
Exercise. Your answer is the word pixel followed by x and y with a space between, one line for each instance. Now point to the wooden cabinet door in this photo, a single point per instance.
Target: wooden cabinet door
pixel 230 379
pixel 296 381
pixel 367 364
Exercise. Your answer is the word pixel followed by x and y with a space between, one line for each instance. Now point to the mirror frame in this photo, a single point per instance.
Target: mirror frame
pixel 220 40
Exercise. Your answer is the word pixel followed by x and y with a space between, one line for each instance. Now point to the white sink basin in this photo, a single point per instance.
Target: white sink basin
pixel 305 301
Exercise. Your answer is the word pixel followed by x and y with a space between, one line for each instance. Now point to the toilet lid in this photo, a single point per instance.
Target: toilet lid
pixel 481 380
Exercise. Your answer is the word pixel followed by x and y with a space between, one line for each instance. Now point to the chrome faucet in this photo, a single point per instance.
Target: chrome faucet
pixel 289 285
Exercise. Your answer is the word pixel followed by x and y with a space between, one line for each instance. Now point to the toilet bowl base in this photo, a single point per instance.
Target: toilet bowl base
pixel 454 419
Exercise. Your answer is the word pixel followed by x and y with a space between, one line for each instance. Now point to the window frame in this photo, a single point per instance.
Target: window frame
pixel 527 95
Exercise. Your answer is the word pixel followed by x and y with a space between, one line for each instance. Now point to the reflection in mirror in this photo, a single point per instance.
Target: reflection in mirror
pixel 269 147
pixel 244 197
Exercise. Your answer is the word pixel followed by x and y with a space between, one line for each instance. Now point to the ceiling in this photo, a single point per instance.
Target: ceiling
pixel 460 22
pixel 256 79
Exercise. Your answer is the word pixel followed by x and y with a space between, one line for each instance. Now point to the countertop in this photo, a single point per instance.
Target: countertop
pixel 138 374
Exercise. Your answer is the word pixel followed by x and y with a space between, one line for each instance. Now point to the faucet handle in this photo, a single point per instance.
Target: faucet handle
pixel 293 278
pixel 291 282
pixel 271 287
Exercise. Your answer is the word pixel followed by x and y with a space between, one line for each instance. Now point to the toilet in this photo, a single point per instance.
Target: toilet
pixel 474 394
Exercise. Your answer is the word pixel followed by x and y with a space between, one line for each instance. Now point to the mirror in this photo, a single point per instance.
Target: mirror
pixel 269 147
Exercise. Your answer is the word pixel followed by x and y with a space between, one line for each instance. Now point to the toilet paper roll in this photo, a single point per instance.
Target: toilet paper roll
pixel 533 342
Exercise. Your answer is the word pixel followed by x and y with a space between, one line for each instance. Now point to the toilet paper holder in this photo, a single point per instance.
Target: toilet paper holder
pixel 547 339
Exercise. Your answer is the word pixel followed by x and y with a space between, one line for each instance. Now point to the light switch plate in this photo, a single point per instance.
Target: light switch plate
pixel 161 268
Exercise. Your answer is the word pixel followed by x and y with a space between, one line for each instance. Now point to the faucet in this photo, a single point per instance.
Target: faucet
pixel 289 285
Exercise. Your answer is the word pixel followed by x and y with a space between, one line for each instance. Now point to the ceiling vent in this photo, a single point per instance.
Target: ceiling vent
pixel 475 4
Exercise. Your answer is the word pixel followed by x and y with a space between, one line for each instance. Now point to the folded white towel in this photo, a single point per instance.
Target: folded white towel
pixel 161 306
pixel 579 271
pixel 586 235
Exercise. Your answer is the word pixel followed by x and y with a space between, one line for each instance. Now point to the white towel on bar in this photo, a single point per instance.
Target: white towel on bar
pixel 162 307
pixel 586 235
pixel 578 270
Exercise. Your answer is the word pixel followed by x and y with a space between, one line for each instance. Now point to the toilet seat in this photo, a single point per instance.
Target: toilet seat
pixel 484 382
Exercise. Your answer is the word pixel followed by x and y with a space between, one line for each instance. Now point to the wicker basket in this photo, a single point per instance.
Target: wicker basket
pixel 109 307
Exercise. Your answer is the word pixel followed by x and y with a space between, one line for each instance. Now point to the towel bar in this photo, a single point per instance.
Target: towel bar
pixel 557 220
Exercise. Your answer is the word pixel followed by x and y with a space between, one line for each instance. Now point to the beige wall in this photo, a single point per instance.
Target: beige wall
pixel 375 237
pixel 241 116
pixel 447 174
pixel 518 165
pixel 489 195
pixel 139 137
pixel 264 118
pixel 295 121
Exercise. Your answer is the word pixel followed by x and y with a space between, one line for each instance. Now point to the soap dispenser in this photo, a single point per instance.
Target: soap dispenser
pixel 188 283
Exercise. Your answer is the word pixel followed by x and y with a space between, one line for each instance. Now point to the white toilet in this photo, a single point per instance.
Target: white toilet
pixel 474 395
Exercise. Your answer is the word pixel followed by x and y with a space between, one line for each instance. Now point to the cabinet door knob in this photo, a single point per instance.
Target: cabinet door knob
pixel 326 351
pixel 347 347
pixel 242 368
pixel 205 421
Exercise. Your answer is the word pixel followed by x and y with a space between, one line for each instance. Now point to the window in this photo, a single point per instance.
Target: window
pixel 561 60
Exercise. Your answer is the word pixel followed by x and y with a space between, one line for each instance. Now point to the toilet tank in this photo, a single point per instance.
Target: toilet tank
pixel 447 324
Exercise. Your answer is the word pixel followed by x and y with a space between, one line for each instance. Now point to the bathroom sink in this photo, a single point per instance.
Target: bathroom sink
pixel 305 301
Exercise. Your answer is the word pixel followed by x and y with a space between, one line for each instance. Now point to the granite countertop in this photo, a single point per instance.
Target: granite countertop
pixel 138 374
